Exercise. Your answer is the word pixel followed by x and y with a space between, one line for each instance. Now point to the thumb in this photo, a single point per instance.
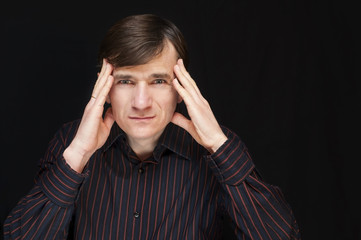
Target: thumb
pixel 109 118
pixel 183 122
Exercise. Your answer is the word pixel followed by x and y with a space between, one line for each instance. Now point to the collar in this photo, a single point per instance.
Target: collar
pixel 173 138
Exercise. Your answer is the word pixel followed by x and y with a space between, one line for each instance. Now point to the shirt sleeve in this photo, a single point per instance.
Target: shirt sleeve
pixel 258 209
pixel 46 211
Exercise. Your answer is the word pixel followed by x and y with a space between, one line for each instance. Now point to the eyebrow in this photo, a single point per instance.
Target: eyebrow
pixel 154 75
pixel 161 75
pixel 123 76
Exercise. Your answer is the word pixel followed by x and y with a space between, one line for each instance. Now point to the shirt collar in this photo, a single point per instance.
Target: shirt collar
pixel 115 133
pixel 173 138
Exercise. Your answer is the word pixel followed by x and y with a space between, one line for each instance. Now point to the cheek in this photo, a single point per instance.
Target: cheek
pixel 177 97
pixel 117 99
pixel 171 102
pixel 110 95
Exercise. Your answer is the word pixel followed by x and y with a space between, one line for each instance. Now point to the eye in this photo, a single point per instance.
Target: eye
pixel 159 81
pixel 124 82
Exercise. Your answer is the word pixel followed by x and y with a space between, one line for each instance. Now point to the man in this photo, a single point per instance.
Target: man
pixel 145 171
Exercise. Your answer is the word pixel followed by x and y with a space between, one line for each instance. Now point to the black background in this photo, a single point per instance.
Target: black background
pixel 283 74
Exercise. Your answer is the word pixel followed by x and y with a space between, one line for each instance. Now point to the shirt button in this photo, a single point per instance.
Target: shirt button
pixel 141 170
pixel 136 214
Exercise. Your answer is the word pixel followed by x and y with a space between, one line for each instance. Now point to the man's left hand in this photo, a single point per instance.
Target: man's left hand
pixel 203 125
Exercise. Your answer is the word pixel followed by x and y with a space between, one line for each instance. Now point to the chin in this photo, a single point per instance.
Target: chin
pixel 144 133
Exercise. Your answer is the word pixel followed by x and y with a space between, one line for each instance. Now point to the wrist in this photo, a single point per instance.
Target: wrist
pixel 76 158
pixel 220 141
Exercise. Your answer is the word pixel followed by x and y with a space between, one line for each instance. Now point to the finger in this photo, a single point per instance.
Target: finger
pixel 186 83
pixel 104 91
pixel 186 124
pixel 180 63
pixel 102 79
pixel 191 86
pixel 184 87
pixel 185 95
pixel 187 75
pixel 104 65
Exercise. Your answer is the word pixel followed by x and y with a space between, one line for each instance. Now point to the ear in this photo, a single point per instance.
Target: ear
pixel 180 99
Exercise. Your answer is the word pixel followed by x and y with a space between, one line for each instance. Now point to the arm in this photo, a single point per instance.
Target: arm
pixel 258 209
pixel 93 129
pixel 47 210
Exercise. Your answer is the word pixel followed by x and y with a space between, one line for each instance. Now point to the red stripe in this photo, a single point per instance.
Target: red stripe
pixel 182 202
pixel 143 203
pixel 226 147
pixel 121 195
pixel 30 228
pixel 158 196
pixel 269 215
pixel 101 203
pixel 269 191
pixel 150 199
pixel 244 206
pixel 110 197
pixel 136 201
pixel 188 189
pixel 255 210
pixel 166 194
pixel 92 218
pixel 127 208
pixel 69 178
pixel 41 223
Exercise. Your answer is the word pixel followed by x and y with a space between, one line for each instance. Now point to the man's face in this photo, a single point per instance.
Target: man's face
pixel 143 98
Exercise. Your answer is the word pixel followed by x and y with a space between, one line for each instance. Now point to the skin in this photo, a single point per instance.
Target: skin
pixel 143 100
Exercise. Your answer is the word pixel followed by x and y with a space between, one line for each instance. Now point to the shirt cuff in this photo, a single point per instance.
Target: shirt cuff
pixel 61 184
pixel 231 163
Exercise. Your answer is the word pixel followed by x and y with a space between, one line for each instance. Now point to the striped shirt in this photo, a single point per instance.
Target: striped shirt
pixel 181 192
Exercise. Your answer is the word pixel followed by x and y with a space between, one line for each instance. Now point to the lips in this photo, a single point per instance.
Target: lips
pixel 141 118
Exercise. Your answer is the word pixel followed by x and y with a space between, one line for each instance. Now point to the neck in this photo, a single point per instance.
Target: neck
pixel 143 148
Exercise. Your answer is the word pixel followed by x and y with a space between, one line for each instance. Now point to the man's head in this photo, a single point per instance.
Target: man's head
pixel 143 51
pixel 137 39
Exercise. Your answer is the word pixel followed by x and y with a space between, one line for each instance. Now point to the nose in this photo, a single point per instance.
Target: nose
pixel 141 97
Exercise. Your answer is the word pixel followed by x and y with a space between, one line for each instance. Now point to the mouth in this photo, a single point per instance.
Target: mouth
pixel 141 119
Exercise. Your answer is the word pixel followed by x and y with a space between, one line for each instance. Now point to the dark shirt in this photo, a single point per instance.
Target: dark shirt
pixel 181 192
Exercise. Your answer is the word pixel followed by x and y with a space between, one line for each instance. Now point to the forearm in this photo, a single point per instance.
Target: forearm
pixel 47 210
pixel 258 209
pixel 36 217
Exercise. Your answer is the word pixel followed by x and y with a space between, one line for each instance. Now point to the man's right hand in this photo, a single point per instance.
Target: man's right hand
pixel 93 130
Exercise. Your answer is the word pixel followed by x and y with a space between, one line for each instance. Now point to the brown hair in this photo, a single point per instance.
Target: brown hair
pixel 137 39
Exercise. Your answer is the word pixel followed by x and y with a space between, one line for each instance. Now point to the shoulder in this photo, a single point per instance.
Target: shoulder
pixel 66 132
pixel 60 140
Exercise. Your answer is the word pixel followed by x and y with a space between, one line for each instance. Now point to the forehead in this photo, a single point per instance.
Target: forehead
pixel 162 63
